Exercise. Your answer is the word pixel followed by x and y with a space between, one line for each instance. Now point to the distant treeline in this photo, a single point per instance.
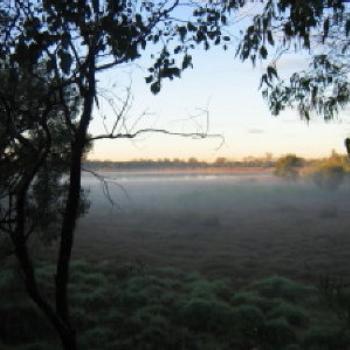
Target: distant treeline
pixel 179 163
pixel 221 162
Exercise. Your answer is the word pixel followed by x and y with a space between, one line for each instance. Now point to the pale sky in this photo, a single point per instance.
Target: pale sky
pixel 228 89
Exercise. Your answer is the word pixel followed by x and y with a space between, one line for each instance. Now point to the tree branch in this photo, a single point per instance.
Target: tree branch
pixel 193 135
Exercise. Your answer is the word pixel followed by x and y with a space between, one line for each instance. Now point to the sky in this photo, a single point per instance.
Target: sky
pixel 227 90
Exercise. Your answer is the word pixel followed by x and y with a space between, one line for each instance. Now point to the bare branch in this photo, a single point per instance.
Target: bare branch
pixel 193 135
pixel 105 186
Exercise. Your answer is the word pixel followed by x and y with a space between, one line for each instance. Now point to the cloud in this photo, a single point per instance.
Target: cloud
pixel 255 131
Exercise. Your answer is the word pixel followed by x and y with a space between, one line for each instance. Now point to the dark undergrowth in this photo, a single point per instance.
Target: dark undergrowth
pixel 136 308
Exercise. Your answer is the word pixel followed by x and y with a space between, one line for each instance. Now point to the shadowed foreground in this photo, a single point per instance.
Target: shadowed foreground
pixel 128 307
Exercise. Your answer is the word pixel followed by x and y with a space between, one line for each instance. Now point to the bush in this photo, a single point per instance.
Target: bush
pixel 96 338
pixel 294 314
pixel 288 167
pixel 277 334
pixel 326 338
pixel 280 287
pixel 201 288
pixel 168 309
pixel 18 321
pixel 252 298
pixel 248 320
pixel 206 315
pixel 328 175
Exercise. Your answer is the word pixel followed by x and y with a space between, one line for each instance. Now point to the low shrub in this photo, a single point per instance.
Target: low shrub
pixel 277 334
pixel 280 287
pixel 327 175
pixel 168 309
pixel 288 167
pixel 206 315
pixel 248 321
pixel 326 338
pixel 294 314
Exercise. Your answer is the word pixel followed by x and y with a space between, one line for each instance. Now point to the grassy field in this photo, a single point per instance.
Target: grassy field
pixel 198 262
pixel 241 227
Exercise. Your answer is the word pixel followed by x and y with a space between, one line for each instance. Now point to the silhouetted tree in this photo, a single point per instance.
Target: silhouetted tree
pixel 77 40
pixel 34 154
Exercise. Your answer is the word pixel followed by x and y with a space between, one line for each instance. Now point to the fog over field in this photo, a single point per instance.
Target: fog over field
pixel 240 226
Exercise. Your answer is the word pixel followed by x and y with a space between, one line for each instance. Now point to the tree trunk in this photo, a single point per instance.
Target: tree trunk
pixel 72 206
pixel 67 234
pixel 69 340
pixel 66 334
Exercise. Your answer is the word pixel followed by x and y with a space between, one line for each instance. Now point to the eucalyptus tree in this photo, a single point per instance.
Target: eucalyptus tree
pixel 34 154
pixel 75 41
pixel 318 30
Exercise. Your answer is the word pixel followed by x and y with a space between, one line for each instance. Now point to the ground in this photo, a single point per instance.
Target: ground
pixel 197 262
pixel 244 226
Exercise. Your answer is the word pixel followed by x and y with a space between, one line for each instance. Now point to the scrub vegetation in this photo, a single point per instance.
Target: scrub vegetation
pixel 328 173
pixel 133 307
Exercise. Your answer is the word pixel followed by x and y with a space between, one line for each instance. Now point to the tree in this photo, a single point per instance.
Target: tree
pixel 288 166
pixel 220 161
pixel 58 48
pixel 328 175
pixel 319 29
pixel 34 155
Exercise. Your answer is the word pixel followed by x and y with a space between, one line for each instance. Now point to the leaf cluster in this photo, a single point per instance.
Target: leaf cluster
pixel 319 29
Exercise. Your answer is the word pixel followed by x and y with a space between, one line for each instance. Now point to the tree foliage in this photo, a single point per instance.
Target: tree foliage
pixel 329 173
pixel 288 166
pixel 320 30
pixel 328 176
pixel 58 48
